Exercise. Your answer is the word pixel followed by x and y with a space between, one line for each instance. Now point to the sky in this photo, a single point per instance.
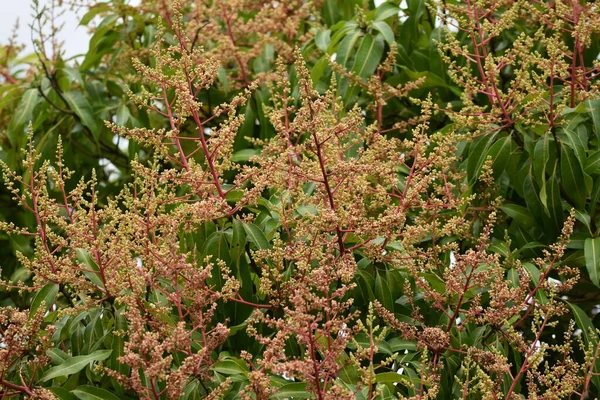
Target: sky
pixel 75 38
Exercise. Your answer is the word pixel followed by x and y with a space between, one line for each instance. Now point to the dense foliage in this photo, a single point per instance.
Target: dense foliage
pixel 329 199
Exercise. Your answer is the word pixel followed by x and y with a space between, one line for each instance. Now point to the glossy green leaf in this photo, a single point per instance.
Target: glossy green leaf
pixel 386 10
pixel 383 293
pixel 62 393
pixel 573 177
pixel 392 377
pixel 500 153
pixel 368 56
pixel 81 107
pixel 75 364
pixel 385 30
pixel 45 296
pixel 592 163
pixel 22 116
pixel 230 367
pixel 592 259
pixel 478 152
pixel 346 47
pixel 238 239
pixel 518 213
pixel 87 392
pixel 256 236
pixel 90 268
pixel 295 390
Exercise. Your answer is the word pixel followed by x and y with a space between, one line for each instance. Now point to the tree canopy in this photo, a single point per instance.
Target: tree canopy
pixel 328 199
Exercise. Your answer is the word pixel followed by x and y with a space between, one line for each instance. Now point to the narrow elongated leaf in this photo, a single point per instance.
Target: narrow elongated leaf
pixel 87 392
pixel 500 153
pixel 322 39
pixel 93 12
pixel 75 364
pixel 392 377
pixel 593 107
pixel 478 152
pixel 296 390
pixel 62 393
pixel 256 236
pixel 385 30
pixel 385 11
pixel 22 116
pixel 383 293
pixel 46 296
pixel 238 240
pixel 91 268
pixel 217 247
pixel 592 164
pixel 554 205
pixel 80 106
pixel 230 367
pixel 368 56
pixel 576 140
pixel 346 47
pixel 584 322
pixel 573 177
pixel 592 259
pixel 520 214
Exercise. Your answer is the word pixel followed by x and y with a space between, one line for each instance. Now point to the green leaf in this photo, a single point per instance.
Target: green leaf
pixel 295 390
pixel 385 30
pixel 230 367
pixel 75 364
pixel 592 164
pixel 541 157
pixel 62 393
pixel 478 152
pixel 81 107
pixel 94 11
pixel 573 177
pixel 576 140
pixel 392 377
pixel 244 155
pixel 92 272
pixel 87 392
pixel 22 116
pixel 57 355
pixel 592 259
pixel 322 39
pixel 587 327
pixel 46 296
pixel 500 153
pixel 386 10
pixel 520 214
pixel 217 247
pixel 368 56
pixel 346 47
pixel 256 236
pixel 593 107
pixel 383 293
pixel 238 240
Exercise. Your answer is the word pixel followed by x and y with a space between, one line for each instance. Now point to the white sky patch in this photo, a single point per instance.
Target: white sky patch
pixel 452 260
pixel 554 282
pixel 452 23
pixel 402 16
pixel 121 142
pixel 110 169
